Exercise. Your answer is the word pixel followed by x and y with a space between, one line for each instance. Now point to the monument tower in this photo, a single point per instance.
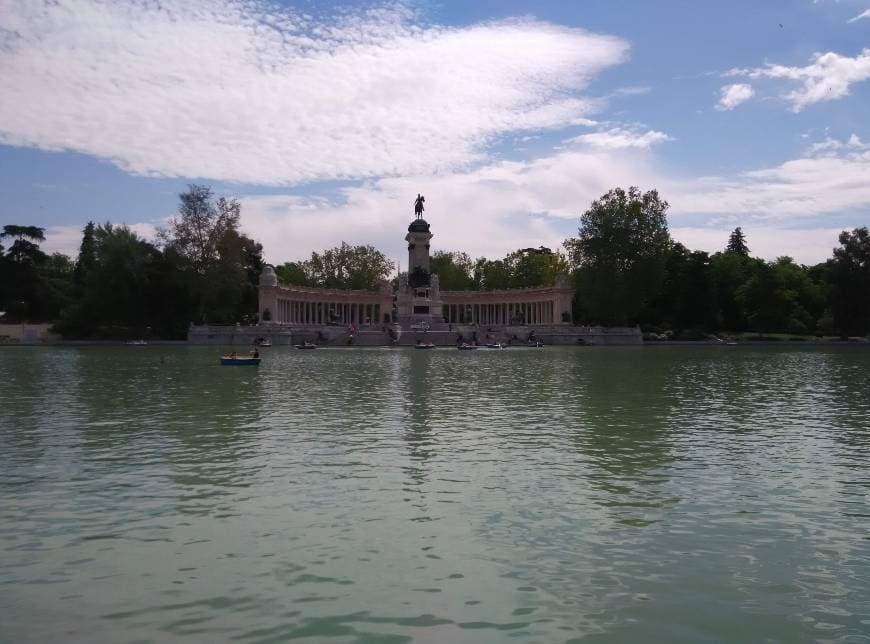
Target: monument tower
pixel 418 300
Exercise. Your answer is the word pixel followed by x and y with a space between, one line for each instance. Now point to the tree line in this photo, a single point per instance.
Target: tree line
pixel 202 269
pixel 623 263
pixel 628 270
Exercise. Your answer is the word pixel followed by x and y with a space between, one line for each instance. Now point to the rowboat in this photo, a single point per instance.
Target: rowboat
pixel 239 361
pixel 494 345
pixel 428 345
pixel 306 345
pixel 466 347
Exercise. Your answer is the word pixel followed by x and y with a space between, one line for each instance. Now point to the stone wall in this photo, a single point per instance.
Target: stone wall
pixel 340 336
pixel 27 334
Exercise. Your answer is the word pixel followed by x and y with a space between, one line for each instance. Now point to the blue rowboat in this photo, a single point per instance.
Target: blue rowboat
pixel 239 361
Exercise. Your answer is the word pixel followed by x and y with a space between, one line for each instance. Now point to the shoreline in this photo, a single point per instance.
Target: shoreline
pixel 858 344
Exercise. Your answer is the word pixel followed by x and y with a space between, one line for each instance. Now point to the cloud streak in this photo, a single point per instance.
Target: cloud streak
pixel 240 91
pixel 828 77
pixel 860 16
pixel 619 138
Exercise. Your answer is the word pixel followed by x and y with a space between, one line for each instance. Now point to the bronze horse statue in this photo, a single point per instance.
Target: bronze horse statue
pixel 418 206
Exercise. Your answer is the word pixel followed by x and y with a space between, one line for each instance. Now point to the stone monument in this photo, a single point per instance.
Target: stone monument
pixel 418 299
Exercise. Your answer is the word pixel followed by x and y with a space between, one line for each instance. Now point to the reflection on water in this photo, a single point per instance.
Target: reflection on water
pixel 391 495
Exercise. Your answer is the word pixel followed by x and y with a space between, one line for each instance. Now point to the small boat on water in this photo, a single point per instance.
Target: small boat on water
pixel 264 343
pixel 467 347
pixel 494 345
pixel 534 343
pixel 239 361
pixel 424 345
pixel 306 345
pixel 136 343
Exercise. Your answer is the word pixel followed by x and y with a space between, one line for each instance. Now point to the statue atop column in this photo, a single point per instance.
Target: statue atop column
pixel 418 206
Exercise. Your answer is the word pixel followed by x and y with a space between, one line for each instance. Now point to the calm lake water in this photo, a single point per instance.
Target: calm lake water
pixel 392 495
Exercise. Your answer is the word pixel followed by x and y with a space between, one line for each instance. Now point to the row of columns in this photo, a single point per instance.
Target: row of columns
pixel 310 312
pixel 501 313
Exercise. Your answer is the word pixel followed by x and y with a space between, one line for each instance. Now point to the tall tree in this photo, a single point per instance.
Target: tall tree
pixel 25 248
pixel 530 267
pixel 292 273
pixel 21 282
pixel 200 226
pixel 688 295
pixel 220 262
pixel 348 267
pixel 455 270
pixel 620 252
pixel 87 253
pixel 737 243
pixel 850 282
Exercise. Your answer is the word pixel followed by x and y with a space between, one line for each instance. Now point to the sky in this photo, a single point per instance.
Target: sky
pixel 326 119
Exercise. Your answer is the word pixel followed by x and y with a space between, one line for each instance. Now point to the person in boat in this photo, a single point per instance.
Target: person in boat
pixel 255 353
pixel 233 355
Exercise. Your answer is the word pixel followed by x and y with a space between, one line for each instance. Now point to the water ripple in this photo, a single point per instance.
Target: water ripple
pixel 388 495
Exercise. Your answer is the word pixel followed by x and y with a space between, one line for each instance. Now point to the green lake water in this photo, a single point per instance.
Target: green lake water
pixel 682 494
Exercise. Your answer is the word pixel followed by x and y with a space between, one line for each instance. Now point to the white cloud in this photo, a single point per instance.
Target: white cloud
pixel 733 95
pixel 619 138
pixel 830 178
pixel 632 90
pixel 242 91
pixel 827 78
pixel 829 145
pixel 863 14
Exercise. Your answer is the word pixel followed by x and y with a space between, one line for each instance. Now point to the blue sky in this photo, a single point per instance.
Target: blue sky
pixel 326 119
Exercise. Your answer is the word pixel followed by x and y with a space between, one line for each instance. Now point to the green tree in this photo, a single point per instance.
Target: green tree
pixel 25 248
pixel 529 267
pixel 292 273
pixel 730 271
pixel 737 243
pixel 850 282
pixel 455 270
pixel 687 299
pixel 348 267
pixel 491 275
pixel 619 254
pixel 219 262
pixel 23 292
pixel 87 258
pixel 115 298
